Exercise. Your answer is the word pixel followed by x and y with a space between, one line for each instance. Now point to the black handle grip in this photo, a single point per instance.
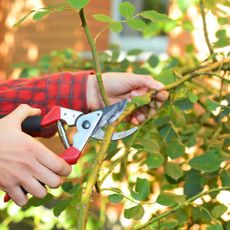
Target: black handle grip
pixel 31 124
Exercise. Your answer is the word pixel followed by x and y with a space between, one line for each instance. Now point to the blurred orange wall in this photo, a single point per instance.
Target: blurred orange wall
pixel 33 39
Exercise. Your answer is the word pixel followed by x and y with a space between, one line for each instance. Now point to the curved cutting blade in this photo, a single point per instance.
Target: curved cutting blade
pixel 110 114
pixel 99 135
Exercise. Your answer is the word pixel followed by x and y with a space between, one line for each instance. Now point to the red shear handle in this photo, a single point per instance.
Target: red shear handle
pixel 52 116
pixel 70 155
pixel 6 198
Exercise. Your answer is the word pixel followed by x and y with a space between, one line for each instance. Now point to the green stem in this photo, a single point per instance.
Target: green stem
pixel 129 145
pixel 206 30
pixel 95 57
pixel 203 71
pixel 178 206
pixel 87 193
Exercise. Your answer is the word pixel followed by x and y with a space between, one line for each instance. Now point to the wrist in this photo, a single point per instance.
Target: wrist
pixel 93 96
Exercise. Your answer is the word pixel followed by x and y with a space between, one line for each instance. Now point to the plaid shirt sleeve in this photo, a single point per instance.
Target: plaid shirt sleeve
pixel 63 89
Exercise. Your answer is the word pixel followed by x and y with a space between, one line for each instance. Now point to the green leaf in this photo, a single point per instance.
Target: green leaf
pixel 208 162
pixel 223 20
pixel 150 145
pixel 126 9
pixel 76 189
pixel 173 170
pixel 214 227
pixel 192 97
pixel 135 212
pixel 78 4
pixel 67 186
pixel 166 77
pixel 187 25
pixel 136 24
pixel 102 18
pixel 154 16
pixel 169 26
pixel 141 100
pixel 177 117
pixel 167 132
pixel 134 52
pixel 183 104
pixel 151 29
pixel 175 149
pixel 155 160
pixel 142 189
pixel 225 178
pixel 40 14
pixel 61 206
pixel 199 215
pixel 170 199
pixel 222 42
pixel 193 183
pixel 184 4
pixel 221 33
pixel 35 202
pixel 115 198
pixel 169 224
pixel 211 105
pixel 153 61
pixel 116 27
pixel 219 210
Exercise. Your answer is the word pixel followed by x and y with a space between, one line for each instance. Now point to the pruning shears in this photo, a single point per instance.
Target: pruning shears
pixel 88 126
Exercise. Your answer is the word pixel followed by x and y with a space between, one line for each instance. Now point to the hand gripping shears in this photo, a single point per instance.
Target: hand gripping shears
pixel 88 125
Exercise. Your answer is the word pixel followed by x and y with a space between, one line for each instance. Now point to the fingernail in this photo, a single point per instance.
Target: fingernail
pixel 159 86
pixel 141 117
pixel 134 94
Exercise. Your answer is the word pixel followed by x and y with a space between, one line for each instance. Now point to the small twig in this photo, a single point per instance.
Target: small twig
pixel 203 71
pixel 206 30
pixel 225 63
pixel 99 34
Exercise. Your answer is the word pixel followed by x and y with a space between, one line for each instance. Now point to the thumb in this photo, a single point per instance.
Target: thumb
pixel 22 112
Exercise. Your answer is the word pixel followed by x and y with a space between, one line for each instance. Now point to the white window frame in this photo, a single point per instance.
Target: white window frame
pixel 157 44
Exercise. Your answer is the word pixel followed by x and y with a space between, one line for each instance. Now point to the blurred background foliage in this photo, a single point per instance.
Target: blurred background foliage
pixel 157 175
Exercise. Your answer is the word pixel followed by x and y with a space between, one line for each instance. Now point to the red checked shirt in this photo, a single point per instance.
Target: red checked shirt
pixel 63 89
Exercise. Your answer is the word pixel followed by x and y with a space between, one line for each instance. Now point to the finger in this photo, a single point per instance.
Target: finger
pixel 53 162
pixel 144 110
pixel 34 187
pixel 47 177
pixel 137 117
pixel 162 96
pixel 150 83
pixel 18 196
pixel 154 105
pixel 140 117
pixel 22 112
pixel 138 92
pixel 134 121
